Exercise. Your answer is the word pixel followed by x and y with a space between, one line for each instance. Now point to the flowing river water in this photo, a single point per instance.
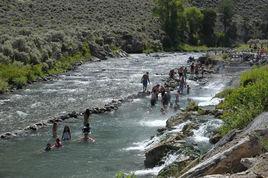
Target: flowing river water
pixel 121 136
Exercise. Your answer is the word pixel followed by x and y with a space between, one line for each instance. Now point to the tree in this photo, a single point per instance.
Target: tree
pixel 170 16
pixel 194 19
pixel 226 9
pixel 207 33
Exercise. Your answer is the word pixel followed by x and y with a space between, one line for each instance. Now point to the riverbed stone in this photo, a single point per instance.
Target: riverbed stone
pixel 187 130
pixel 179 118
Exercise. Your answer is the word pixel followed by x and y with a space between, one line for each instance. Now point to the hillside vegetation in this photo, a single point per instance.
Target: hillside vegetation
pixel 244 103
pixel 42 32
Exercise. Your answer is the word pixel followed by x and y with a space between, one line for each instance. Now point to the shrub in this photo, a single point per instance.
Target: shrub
pixel 247 101
pixel 21 45
pixel 225 93
pixel 7 49
pixel 21 56
pixel 3 86
pixel 4 59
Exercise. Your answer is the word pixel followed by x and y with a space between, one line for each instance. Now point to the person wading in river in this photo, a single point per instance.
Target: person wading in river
pixel 54 130
pixel 86 117
pixel 145 80
pixel 66 135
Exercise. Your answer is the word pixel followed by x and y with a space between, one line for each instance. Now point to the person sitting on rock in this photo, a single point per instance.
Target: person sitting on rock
pixel 66 135
pixel 145 80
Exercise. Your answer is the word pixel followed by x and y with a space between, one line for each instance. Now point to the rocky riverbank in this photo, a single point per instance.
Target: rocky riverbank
pixel 231 156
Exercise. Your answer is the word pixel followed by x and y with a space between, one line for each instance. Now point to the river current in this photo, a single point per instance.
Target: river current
pixel 121 135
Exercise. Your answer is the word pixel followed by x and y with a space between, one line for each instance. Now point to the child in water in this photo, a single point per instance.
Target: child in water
pixel 66 135
pixel 188 89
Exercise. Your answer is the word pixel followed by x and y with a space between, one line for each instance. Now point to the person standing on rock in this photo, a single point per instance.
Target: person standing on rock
pixel 145 80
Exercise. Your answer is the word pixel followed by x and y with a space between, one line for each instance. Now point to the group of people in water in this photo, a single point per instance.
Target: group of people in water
pixel 180 76
pixel 66 135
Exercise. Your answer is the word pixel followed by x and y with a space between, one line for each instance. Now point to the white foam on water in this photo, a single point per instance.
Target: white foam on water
pixel 200 135
pixel 22 114
pixel 49 91
pixel 212 102
pixel 71 99
pixel 16 96
pixel 3 101
pixel 154 123
pixel 143 145
pixel 207 101
pixel 178 128
pixel 192 83
pixel 154 171
pixel 216 85
pixel 37 104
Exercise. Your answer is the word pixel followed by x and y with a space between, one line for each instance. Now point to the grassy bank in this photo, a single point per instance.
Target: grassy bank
pixel 17 75
pixel 244 103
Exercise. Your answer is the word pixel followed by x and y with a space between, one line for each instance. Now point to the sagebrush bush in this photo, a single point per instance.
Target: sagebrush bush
pixel 7 49
pixel 21 45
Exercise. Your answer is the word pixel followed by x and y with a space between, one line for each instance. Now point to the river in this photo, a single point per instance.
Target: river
pixel 121 135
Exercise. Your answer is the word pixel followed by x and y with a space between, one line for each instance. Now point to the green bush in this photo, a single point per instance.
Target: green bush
pixel 3 86
pixel 246 102
pixel 224 93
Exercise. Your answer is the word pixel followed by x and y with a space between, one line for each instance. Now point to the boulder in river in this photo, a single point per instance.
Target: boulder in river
pixel 179 118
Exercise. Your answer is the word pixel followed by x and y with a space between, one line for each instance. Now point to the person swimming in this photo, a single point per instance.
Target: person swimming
pixel 66 135
pixel 86 131
pixel 57 144
pixel 48 147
